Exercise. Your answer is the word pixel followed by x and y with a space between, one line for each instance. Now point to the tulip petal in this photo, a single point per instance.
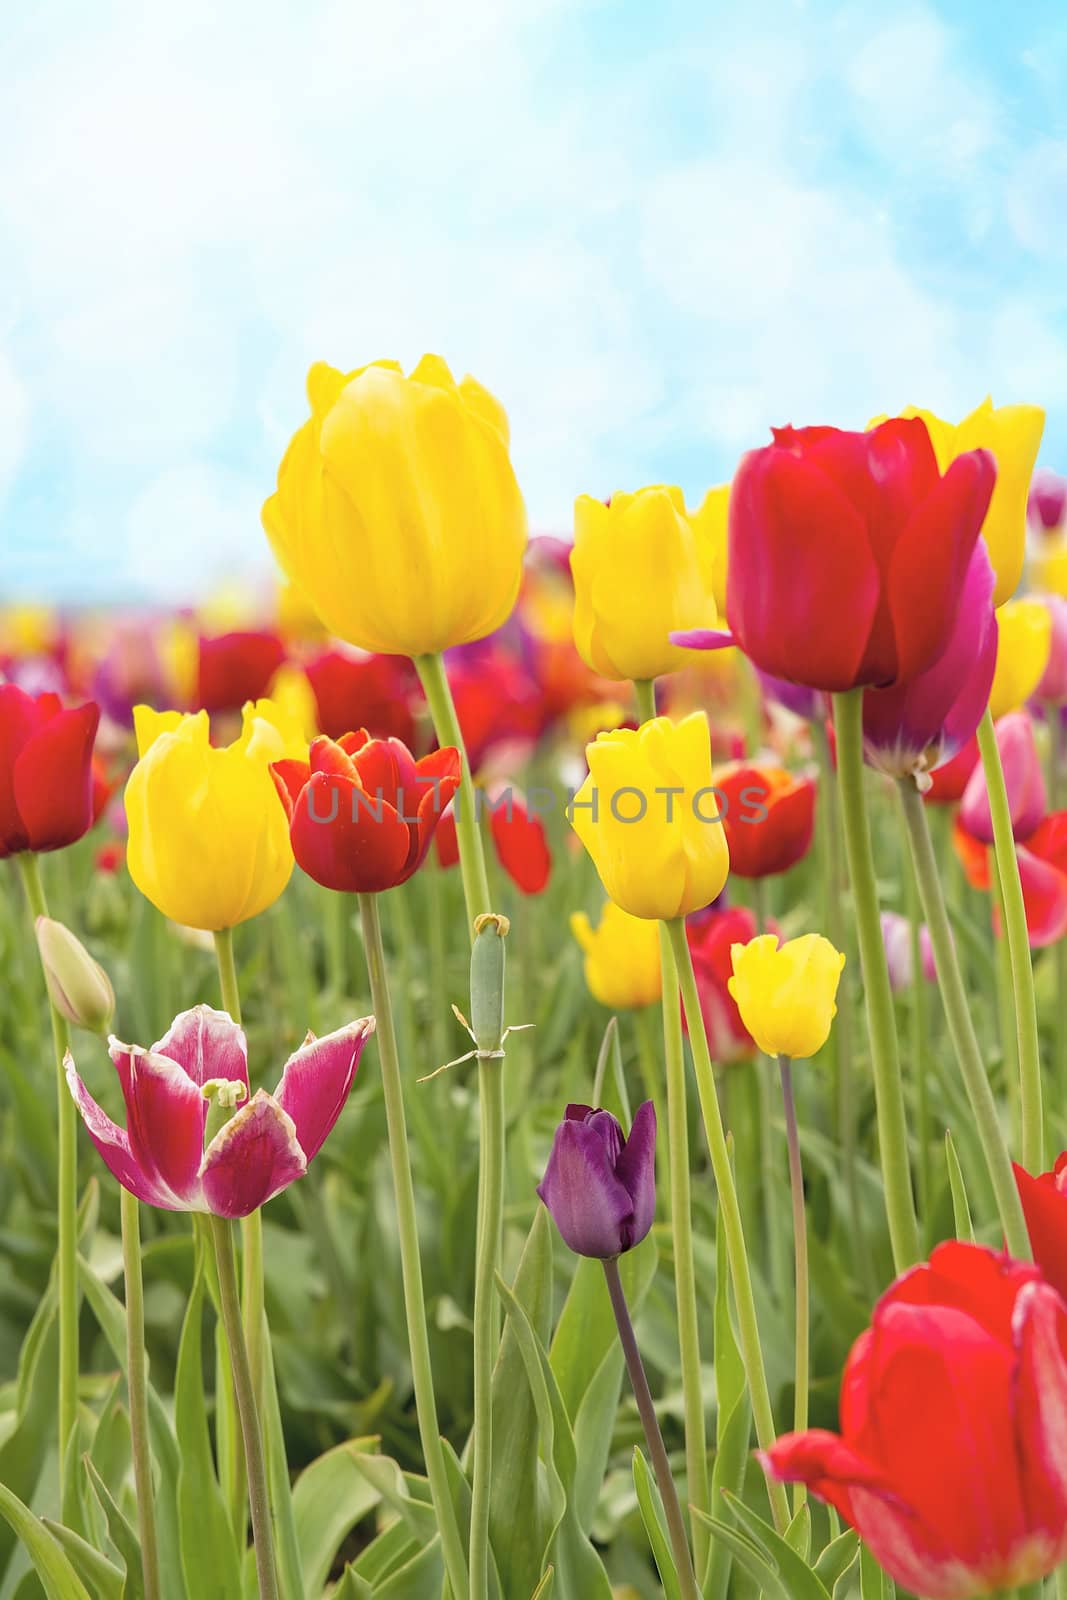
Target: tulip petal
pixel 253 1157
pixel 289 778
pixel 811 562
pixel 20 716
pixel 206 1044
pixel 822 1460
pixel 1044 897
pixel 316 1080
pixel 165 1116
pixel 703 638
pixel 347 840
pixel 1045 1209
pixel 113 1145
pixel 636 1171
pixel 1040 1330
pixel 521 845
pixel 53 778
pixel 588 1203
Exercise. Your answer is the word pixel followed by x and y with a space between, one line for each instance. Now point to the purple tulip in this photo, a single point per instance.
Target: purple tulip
pixel 913 727
pixel 795 697
pixel 1023 779
pixel 600 1187
pixel 1046 508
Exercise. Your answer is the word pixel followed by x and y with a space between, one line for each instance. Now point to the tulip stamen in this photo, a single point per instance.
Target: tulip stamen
pixel 223 1095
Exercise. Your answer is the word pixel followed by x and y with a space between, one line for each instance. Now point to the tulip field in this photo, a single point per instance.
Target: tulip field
pixel 534 1067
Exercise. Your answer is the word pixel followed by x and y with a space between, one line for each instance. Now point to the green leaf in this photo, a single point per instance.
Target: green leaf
pixel 393 1546
pixel 396 1489
pixel 544 1588
pixel 122 1536
pixel 352 1587
pixel 287 1545
pixel 580 1569
pixel 649 1503
pixel 22 1455
pixel 330 1497
pixel 798 1533
pixel 210 1560
pixel 961 1211
pixel 58 1577
pixel 838 1557
pixel 520 1517
pixel 874 1585
pixel 733 1422
pixel 104 1580
pixel 749 1555
pixel 799 1581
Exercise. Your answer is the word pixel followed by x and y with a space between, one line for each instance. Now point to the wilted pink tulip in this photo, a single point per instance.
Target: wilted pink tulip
pixel 200 1067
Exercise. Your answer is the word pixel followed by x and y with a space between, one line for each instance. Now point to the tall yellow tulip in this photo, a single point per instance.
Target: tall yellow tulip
pixel 642 569
pixel 397 513
pixel 1023 643
pixel 1012 434
pixel 621 958
pixel 650 818
pixel 209 838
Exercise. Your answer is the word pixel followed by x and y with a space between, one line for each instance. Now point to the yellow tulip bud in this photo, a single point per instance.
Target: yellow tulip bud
pixel 1023 646
pixel 397 513
pixel 621 958
pixel 1012 434
pixel 209 838
pixel 642 569
pixel 649 817
pixel 786 994
pixel 78 986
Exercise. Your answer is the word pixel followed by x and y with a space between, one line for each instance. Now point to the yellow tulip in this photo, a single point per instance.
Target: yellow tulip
pixel 1012 434
pixel 786 994
pixel 642 568
pixel 292 695
pixel 209 838
pixel 1048 567
pixel 1022 654
pixel 649 817
pixel 621 958
pixel 710 521
pixel 397 513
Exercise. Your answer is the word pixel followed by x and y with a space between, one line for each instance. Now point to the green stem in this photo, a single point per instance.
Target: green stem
pixel 764 1070
pixel 961 1026
pixel 410 1263
pixel 1057 758
pixel 748 1326
pixel 252 1289
pixel 881 1026
pixel 491 1169
pixel 434 679
pixel 800 1255
pixel 248 1411
pixel 844 1028
pixel 696 1447
pixel 67 1195
pixel 137 1386
pixel 1022 972
pixel 650 1423
pixel 919 1064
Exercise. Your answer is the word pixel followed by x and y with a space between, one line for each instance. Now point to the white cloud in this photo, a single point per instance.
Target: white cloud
pixel 14 424
pixel 193 528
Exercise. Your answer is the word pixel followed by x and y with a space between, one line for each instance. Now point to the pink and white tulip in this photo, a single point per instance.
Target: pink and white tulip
pixel 161 1155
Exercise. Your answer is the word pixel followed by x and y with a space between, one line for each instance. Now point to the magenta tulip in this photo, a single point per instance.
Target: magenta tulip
pixel 268 1142
pixel 915 726
pixel 1022 776
pixel 1053 686
pixel 1046 508
pixel 599 1186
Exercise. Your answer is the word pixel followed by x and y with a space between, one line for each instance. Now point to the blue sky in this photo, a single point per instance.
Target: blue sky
pixel 653 229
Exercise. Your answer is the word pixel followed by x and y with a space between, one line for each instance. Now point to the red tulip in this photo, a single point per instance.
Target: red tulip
pixel 161 1157
pixel 46 771
pixel 768 815
pixel 711 935
pixel 362 811
pixel 948 781
pixel 518 837
pixel 951 1462
pixel 375 692
pixel 848 552
pixel 1044 1201
pixel 235 667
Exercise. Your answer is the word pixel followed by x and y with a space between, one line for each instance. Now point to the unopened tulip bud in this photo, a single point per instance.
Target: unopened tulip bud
pixel 78 986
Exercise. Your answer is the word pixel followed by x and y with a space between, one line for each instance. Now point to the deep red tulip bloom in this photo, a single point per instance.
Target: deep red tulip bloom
pixel 710 936
pixel 768 815
pixel 376 692
pixel 235 667
pixel 911 728
pixel 948 781
pixel 1044 1201
pixel 161 1157
pixel 497 701
pixel 848 552
pixel 599 1186
pixel 519 839
pixel 46 771
pixel 950 1463
pixel 362 811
